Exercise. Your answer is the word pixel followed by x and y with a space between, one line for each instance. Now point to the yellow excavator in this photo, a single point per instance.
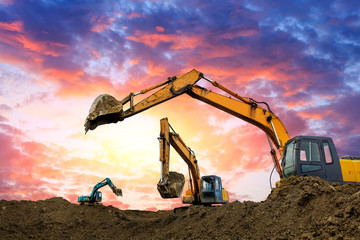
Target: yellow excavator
pixel 205 190
pixel 301 155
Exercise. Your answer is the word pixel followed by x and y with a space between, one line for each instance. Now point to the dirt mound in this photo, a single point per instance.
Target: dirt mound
pixel 301 208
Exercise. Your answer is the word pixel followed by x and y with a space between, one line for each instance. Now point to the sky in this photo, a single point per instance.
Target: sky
pixel 56 57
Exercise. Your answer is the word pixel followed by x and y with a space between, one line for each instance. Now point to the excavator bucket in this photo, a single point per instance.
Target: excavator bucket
pixel 105 109
pixel 172 185
pixel 117 191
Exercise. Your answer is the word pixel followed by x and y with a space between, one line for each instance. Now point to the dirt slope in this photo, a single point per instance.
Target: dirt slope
pixel 302 208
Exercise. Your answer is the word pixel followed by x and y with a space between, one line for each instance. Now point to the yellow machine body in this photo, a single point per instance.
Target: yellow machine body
pixel 350 169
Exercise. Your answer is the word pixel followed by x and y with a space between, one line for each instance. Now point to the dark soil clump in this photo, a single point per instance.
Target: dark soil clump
pixel 301 208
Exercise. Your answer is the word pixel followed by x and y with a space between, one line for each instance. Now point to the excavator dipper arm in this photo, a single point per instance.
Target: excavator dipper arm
pixel 171 184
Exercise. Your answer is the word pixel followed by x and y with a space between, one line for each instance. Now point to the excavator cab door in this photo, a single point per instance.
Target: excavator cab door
pixel 310 158
pixel 218 190
pixel 289 159
pixel 207 189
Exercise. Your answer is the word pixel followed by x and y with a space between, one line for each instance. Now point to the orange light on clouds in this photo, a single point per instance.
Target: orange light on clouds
pixel 46 48
pixel 155 70
pixel 101 24
pixel 134 15
pixel 159 29
pixel 298 103
pixel 134 61
pixel 67 75
pixel 310 115
pixel 13 34
pixel 95 53
pixel 16 26
pixel 95 85
pixel 178 41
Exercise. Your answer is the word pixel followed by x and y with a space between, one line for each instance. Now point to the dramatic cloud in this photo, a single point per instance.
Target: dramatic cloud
pixel 56 57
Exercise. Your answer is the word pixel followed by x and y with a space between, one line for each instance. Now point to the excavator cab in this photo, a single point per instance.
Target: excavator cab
pixel 312 156
pixel 98 196
pixel 212 191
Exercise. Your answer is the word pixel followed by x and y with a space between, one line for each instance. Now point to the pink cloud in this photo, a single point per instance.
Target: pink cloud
pixel 101 24
pixel 135 15
pixel 310 115
pixel 95 53
pixel 13 34
pixel 27 164
pixel 134 61
pixel 44 47
pixel 84 86
pixel 159 29
pixel 16 26
pixel 298 103
pixel 3 119
pixel 179 41
pixel 62 74
pixel 5 108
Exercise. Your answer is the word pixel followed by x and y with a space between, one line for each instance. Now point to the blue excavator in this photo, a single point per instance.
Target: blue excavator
pixel 96 196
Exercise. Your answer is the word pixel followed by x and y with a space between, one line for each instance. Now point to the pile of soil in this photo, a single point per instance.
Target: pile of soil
pixel 301 208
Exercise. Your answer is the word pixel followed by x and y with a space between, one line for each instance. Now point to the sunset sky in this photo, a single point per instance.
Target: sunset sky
pixel 301 57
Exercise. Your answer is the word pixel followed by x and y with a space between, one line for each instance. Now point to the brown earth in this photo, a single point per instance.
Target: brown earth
pixel 301 208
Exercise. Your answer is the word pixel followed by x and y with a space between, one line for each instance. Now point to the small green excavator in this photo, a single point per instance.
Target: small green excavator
pixel 96 196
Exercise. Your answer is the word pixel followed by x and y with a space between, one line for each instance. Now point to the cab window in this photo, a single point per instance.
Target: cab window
pixel 289 160
pixel 309 151
pixel 217 185
pixel 327 152
pixel 207 184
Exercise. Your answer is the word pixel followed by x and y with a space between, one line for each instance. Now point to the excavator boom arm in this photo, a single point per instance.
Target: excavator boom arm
pixel 254 114
pixel 107 109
